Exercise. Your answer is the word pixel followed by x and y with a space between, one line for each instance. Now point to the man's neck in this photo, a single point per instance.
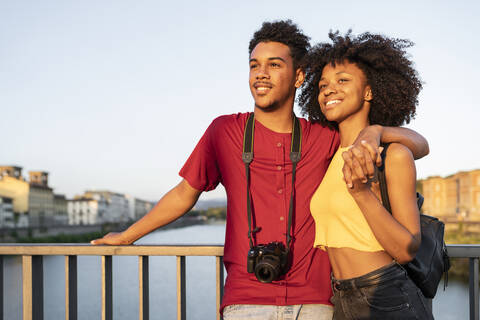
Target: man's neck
pixel 279 120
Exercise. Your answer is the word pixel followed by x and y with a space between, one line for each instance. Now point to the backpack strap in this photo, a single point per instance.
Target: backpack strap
pixel 380 173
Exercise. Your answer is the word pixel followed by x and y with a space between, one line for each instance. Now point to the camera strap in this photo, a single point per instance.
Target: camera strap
pixel 247 158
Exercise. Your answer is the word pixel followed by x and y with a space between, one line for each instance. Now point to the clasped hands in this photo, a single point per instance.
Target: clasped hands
pixel 361 158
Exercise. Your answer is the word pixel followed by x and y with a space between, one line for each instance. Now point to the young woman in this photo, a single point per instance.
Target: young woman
pixel 351 84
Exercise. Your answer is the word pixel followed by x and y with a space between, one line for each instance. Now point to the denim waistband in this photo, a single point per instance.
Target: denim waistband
pixel 385 273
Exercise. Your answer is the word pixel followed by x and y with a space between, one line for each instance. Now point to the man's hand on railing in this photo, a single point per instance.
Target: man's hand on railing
pixel 112 238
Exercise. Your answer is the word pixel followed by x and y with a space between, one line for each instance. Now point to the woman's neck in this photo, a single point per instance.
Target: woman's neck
pixel 349 130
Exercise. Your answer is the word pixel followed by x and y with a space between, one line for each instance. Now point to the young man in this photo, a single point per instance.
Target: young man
pixel 276 52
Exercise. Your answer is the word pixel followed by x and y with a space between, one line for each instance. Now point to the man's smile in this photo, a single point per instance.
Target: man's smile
pixel 262 87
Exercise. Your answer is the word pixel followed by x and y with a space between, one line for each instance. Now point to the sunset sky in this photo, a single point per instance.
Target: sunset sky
pixel 115 94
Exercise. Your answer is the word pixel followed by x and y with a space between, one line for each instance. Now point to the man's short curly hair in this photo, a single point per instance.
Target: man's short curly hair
pixel 286 32
pixel 394 82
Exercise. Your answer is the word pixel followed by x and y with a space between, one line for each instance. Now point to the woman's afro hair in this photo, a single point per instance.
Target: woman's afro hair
pixel 394 82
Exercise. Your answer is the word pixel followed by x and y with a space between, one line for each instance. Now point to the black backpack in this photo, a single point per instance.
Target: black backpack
pixel 431 260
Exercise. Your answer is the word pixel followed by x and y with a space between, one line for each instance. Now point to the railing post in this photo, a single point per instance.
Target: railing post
pixel 32 277
pixel 27 287
pixel 71 292
pixel 473 283
pixel 220 276
pixel 107 305
pixel 144 310
pixel 1 287
pixel 181 289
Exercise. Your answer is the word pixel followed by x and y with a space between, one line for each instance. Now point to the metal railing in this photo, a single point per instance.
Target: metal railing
pixel 472 252
pixel 32 274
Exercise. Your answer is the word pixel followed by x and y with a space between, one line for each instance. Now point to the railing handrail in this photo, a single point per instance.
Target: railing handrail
pixel 33 279
pixel 454 250
pixel 463 250
pixel 67 249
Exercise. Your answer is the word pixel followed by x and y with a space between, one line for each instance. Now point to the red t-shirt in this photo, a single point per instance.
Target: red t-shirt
pixel 217 158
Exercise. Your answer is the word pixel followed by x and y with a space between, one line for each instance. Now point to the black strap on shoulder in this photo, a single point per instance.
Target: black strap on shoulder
pixel 247 155
pixel 247 158
pixel 296 145
pixel 383 183
pixel 382 179
pixel 295 155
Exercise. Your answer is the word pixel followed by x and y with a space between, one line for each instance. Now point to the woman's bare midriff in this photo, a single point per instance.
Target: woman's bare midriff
pixel 350 263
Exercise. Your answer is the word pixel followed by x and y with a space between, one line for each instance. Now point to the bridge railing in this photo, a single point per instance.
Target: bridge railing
pixel 472 252
pixel 32 274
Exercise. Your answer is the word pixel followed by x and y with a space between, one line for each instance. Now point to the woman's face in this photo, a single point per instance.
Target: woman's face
pixel 343 92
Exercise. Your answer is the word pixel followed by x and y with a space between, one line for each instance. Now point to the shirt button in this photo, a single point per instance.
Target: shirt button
pixel 282 218
pixel 280 191
pixel 279 168
pixel 279 144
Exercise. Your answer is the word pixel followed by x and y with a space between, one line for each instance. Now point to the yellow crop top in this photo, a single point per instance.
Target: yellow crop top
pixel 339 222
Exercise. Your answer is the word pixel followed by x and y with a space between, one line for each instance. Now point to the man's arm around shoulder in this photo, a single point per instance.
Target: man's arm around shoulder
pixel 171 206
pixel 364 153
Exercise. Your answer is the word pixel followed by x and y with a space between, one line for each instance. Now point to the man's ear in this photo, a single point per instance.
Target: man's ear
pixel 300 77
pixel 368 94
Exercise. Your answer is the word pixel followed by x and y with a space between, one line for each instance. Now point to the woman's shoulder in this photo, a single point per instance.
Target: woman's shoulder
pixel 399 160
pixel 398 153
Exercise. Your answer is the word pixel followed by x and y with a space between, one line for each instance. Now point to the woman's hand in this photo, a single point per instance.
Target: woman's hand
pixel 359 164
pixel 356 184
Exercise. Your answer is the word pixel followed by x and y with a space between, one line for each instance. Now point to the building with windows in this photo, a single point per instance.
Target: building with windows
pixel 102 206
pixel 60 209
pixel 141 207
pixel 456 196
pixel 118 205
pixel 40 200
pixel 84 210
pixel 94 207
pixel 34 203
pixel 6 213
pixel 14 186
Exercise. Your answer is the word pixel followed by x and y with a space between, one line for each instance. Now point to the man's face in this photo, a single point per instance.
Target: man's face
pixel 273 78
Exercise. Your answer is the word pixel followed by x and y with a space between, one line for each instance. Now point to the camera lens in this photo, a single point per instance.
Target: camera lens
pixel 268 269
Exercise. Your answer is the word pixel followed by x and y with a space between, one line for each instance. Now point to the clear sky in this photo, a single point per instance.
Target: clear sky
pixel 115 94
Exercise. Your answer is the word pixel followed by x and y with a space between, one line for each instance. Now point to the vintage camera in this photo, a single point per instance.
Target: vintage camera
pixel 267 261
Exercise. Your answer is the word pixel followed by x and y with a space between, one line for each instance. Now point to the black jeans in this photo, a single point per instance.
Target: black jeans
pixel 386 293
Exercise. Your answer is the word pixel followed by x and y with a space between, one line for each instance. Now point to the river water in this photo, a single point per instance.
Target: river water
pixel 451 304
